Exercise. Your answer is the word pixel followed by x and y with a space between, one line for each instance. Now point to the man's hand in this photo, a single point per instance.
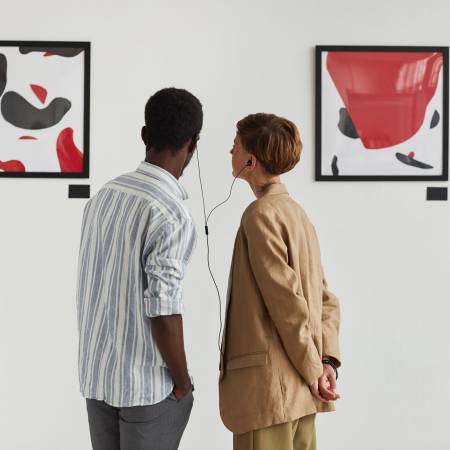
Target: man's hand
pixel 324 389
pixel 180 392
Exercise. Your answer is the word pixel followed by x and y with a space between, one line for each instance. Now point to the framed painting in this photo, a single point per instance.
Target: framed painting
pixel 381 113
pixel 44 109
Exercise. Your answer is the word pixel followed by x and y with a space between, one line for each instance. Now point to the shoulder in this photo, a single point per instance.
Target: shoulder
pixel 260 216
pixel 283 215
pixel 273 207
pixel 154 195
pixel 257 209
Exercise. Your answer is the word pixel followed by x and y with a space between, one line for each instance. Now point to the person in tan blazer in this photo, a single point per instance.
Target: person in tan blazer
pixel 280 349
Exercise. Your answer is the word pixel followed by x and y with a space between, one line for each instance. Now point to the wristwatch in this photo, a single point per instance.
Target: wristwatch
pixel 331 363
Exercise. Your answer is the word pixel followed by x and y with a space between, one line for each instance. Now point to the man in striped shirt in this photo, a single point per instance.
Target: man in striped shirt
pixel 137 238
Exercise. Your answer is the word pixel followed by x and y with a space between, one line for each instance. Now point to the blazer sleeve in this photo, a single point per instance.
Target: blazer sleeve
pixel 281 291
pixel 330 318
pixel 330 323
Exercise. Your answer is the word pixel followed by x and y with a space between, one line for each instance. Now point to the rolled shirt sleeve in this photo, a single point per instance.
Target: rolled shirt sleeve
pixel 165 268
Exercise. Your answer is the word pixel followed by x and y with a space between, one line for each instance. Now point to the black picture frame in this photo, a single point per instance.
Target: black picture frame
pixel 86 46
pixel 318 112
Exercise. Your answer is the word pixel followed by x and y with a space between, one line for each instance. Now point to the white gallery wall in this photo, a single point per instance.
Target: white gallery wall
pixel 386 250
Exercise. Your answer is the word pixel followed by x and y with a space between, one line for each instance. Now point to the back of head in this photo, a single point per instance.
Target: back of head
pixel 172 117
pixel 273 140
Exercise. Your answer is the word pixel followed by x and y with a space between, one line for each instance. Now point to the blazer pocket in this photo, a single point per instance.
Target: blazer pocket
pixel 248 360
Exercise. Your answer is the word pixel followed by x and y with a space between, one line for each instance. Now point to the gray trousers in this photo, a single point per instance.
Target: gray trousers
pixel 152 427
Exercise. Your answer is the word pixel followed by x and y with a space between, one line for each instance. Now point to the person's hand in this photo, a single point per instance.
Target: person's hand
pixel 324 389
pixel 180 392
pixel 314 388
pixel 327 384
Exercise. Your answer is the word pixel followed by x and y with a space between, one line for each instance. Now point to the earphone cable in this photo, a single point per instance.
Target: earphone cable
pixel 208 256
pixel 229 195
pixel 207 243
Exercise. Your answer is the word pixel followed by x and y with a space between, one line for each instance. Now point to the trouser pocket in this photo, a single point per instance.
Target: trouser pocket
pixel 188 394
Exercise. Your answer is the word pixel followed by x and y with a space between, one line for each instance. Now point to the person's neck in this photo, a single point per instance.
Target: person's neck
pixel 259 185
pixel 166 161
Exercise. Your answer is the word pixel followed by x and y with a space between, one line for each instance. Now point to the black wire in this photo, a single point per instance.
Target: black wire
pixel 207 243
pixel 203 196
pixel 208 253
pixel 229 195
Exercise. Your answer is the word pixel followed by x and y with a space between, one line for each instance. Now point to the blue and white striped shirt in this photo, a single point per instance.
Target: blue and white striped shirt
pixel 137 237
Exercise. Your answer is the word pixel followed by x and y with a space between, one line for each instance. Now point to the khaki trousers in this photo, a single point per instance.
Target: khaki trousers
pixel 297 435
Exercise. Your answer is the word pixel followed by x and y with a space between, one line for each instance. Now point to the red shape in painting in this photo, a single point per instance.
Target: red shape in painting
pixel 70 158
pixel 28 138
pixel 49 54
pixel 40 92
pixel 12 166
pixel 386 93
pixel 411 155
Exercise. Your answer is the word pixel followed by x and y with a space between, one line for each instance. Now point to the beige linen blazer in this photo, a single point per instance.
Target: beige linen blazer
pixel 280 317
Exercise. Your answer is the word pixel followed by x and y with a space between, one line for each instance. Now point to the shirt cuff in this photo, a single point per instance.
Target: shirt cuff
pixel 163 305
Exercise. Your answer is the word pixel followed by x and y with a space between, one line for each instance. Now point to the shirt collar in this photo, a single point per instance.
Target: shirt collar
pixel 164 177
pixel 275 188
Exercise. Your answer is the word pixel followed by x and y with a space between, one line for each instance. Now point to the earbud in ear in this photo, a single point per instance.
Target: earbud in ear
pixel 249 162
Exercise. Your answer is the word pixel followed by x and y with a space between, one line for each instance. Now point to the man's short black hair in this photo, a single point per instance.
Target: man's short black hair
pixel 172 117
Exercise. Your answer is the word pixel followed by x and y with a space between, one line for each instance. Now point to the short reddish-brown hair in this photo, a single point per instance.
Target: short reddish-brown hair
pixel 273 140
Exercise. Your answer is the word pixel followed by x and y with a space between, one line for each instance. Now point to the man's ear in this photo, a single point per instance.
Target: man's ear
pixel 193 144
pixel 144 135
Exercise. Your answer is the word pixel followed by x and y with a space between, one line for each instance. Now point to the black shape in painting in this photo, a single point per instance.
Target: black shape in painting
pixel 346 125
pixel 67 52
pixel 334 166
pixel 435 119
pixel 410 161
pixel 18 112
